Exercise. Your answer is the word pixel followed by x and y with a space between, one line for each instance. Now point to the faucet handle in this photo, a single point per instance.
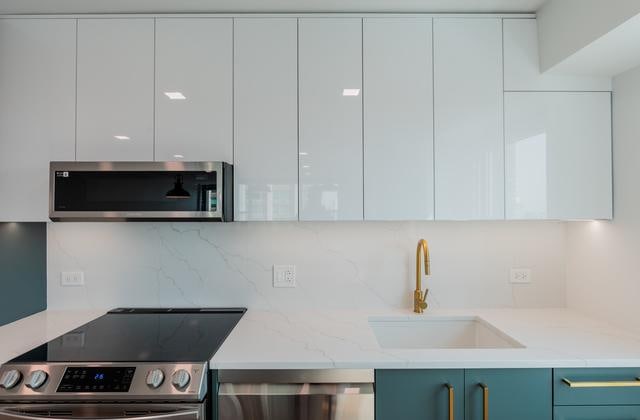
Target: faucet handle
pixel 423 304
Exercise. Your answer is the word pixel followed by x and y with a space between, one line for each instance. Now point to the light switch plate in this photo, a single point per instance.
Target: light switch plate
pixel 72 278
pixel 284 276
pixel 520 275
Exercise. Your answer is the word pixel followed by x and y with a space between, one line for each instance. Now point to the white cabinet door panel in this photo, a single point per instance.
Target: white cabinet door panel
pixel 522 66
pixel 266 119
pixel 558 148
pixel 398 118
pixel 469 143
pixel 194 61
pixel 330 72
pixel 37 111
pixel 115 89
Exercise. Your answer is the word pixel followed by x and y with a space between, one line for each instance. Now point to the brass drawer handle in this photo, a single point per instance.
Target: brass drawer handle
pixel 451 400
pixel 485 401
pixel 601 384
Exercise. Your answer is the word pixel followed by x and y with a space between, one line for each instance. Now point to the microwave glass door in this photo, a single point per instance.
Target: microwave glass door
pixel 135 191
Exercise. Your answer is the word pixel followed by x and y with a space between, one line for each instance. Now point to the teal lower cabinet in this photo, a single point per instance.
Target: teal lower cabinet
pixel 213 383
pixel 407 394
pixel 508 394
pixel 597 412
pixel 477 394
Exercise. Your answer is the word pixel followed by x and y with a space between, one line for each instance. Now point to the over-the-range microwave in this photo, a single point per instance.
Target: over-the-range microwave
pixel 139 191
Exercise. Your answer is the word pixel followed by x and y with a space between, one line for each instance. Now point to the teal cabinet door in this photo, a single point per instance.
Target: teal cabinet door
pixel 610 412
pixel 213 383
pixel 508 394
pixel 419 394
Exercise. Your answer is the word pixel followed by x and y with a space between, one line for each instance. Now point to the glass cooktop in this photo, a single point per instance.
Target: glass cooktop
pixel 142 335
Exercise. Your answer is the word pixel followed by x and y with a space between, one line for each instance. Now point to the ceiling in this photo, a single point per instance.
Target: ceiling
pixel 274 6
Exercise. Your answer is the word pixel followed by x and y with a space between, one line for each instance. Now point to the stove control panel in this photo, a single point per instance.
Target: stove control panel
pixel 103 381
pixel 97 379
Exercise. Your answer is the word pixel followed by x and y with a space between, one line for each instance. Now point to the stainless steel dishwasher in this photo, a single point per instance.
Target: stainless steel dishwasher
pixel 324 394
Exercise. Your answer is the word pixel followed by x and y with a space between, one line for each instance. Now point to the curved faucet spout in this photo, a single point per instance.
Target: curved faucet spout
pixel 419 298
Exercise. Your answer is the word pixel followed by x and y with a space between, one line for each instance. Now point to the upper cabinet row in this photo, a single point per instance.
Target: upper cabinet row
pixel 396 118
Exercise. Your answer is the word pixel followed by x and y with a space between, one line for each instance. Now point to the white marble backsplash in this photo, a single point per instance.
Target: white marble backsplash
pixel 344 265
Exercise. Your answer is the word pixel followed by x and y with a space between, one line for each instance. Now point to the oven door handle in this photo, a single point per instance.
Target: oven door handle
pixel 190 414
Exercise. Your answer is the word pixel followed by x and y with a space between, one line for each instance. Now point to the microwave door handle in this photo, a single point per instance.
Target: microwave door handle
pixel 191 414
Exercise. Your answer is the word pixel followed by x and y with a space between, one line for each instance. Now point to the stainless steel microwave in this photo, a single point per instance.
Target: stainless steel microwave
pixel 139 191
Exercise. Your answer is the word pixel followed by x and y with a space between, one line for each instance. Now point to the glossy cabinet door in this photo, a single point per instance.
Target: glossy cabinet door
pixel 590 412
pixel 330 107
pixel 37 111
pixel 410 394
pixel 115 89
pixel 194 61
pixel 558 155
pixel 507 394
pixel 522 66
pixel 398 118
pixel 266 119
pixel 469 143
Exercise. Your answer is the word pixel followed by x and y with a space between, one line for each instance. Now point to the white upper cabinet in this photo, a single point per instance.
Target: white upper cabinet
pixel 266 119
pixel 194 89
pixel 558 151
pixel 115 89
pixel 469 143
pixel 522 67
pixel 37 111
pixel 398 118
pixel 330 83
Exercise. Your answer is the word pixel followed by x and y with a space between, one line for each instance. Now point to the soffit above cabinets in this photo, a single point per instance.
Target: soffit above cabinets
pixel 273 6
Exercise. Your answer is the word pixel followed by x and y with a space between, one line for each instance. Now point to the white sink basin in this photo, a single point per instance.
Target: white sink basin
pixel 439 332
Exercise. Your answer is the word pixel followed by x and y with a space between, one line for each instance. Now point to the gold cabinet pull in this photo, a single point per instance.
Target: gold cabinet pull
pixel 451 400
pixel 601 384
pixel 485 401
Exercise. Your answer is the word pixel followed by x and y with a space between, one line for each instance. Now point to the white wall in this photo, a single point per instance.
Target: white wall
pixel 603 257
pixel 339 265
pixel 567 26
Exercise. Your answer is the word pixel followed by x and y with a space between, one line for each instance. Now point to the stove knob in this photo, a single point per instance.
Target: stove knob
pixel 37 379
pixel 155 377
pixel 10 379
pixel 180 378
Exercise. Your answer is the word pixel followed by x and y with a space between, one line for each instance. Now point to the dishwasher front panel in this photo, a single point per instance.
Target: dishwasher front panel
pixel 296 401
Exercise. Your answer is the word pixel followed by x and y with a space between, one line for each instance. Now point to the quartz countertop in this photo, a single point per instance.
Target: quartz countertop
pixel 273 339
pixel 343 339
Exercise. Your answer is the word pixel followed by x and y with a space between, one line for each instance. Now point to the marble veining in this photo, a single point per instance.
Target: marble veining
pixel 344 265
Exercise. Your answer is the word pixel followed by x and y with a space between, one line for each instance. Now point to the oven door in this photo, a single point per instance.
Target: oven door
pixel 99 411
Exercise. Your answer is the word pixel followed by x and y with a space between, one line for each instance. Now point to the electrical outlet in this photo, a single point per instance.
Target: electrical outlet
pixel 72 278
pixel 520 275
pixel 284 276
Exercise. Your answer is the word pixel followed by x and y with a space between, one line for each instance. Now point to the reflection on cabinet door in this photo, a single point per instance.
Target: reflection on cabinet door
pixel 266 119
pixel 522 66
pixel 37 111
pixel 558 155
pixel 398 119
pixel 330 60
pixel 115 89
pixel 469 143
pixel 194 89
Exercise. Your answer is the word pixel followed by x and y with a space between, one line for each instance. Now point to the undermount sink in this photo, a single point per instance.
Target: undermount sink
pixel 439 332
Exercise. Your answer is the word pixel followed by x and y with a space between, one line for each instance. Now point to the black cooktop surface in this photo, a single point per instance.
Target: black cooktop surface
pixel 142 335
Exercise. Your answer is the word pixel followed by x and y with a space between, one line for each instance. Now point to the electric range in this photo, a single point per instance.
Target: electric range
pixel 131 363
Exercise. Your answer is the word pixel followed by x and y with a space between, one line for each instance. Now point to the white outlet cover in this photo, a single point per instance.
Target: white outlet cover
pixel 520 275
pixel 284 276
pixel 72 279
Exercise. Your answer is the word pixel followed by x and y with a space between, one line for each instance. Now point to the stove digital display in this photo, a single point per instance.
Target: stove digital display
pixel 96 379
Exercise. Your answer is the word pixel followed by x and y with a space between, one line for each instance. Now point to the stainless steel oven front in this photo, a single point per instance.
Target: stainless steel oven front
pixel 105 391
